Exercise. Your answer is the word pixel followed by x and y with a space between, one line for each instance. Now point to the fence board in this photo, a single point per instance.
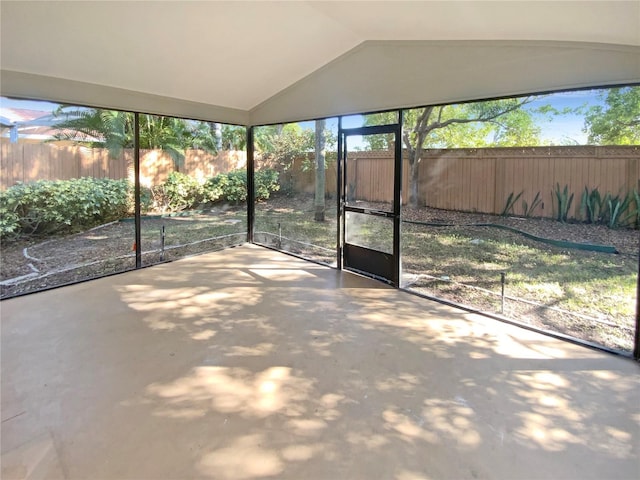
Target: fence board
pixel 456 179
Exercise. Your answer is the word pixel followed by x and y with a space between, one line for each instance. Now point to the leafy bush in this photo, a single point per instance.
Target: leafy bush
pixel 181 192
pixel 9 220
pixel 232 186
pixel 214 188
pixel 146 199
pixel 236 188
pixel 61 206
pixel 266 181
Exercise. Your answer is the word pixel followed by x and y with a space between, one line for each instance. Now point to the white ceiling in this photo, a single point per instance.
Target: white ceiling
pixel 244 57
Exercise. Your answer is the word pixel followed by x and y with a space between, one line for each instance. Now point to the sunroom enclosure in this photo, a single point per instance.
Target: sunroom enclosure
pixel 540 230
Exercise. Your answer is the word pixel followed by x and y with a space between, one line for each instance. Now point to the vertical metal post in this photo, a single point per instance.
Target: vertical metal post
pixel 136 190
pixel 279 236
pixel 251 204
pixel 636 340
pixel 339 196
pixel 502 281
pixel 397 201
pixel 162 237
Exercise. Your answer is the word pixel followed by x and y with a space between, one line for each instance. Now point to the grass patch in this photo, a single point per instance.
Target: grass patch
pixel 598 285
pixel 455 263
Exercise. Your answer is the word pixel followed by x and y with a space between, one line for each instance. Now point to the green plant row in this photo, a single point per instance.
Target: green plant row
pixel 50 207
pixel 614 211
pixel 181 191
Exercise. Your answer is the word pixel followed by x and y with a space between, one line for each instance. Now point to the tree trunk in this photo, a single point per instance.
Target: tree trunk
pixel 320 172
pixel 414 181
pixel 218 135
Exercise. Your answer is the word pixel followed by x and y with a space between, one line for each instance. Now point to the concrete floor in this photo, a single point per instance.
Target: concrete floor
pixel 250 364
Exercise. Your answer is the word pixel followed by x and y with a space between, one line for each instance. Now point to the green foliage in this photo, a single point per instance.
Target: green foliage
pixel 616 207
pixel 282 144
pixel 214 188
pixel 114 130
pixel 564 200
pixel 65 206
pixel 266 181
pixel 618 121
pixel 592 206
pixel 609 210
pixel 634 217
pixel 285 143
pixel 62 206
pixel 184 192
pixel 511 201
pixel 95 127
pixel 146 198
pixel 236 188
pixel 181 192
pixel 498 123
pixel 9 220
pixel 234 137
pixel 529 209
pixel 514 129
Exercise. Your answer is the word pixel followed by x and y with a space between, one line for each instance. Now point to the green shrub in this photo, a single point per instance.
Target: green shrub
pixel 232 186
pixel 215 187
pixel 181 192
pixel 9 221
pixel 236 189
pixel 146 199
pixel 62 206
pixel 266 181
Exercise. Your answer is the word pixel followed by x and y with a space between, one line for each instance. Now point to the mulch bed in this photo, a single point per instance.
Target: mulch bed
pixel 626 241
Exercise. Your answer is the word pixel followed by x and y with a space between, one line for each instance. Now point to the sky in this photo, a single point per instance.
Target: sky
pixel 563 129
pixel 566 129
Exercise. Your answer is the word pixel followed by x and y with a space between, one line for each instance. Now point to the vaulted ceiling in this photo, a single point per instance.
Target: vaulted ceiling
pixel 255 62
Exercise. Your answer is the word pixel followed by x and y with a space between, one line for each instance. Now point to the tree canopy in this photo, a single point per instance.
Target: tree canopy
pixel 470 125
pixel 617 122
pixel 477 124
pixel 114 130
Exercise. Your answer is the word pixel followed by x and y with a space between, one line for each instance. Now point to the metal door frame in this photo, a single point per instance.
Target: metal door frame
pixel 374 263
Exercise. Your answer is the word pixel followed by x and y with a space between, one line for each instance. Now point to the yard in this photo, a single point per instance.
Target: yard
pixel 585 294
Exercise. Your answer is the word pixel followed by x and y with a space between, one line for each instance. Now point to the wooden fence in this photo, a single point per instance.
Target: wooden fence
pixel 481 180
pixel 28 162
pixel 477 180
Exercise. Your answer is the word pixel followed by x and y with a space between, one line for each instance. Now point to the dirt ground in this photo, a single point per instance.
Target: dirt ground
pixel 36 265
pixel 36 260
pixel 31 266
pixel 626 241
